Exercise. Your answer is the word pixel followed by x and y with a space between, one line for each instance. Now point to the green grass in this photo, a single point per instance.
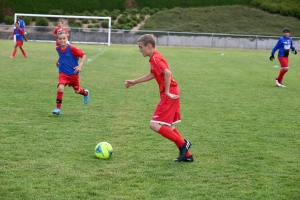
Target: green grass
pixel 245 131
pixel 222 19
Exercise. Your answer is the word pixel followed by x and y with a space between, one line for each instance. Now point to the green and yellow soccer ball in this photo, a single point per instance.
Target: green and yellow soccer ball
pixel 103 150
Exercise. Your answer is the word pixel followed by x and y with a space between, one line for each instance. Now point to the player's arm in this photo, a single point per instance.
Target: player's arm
pixel 55 32
pixel 277 46
pixel 168 77
pixel 148 77
pixel 12 34
pixel 293 48
pixel 78 53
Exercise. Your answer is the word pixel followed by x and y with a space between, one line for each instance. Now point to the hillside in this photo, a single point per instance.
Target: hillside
pixel 222 19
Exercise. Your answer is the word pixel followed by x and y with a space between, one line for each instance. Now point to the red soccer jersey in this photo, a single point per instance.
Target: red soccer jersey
pixel 158 65
pixel 56 31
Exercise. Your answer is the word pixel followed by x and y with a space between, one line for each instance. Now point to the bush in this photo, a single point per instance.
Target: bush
pixel 105 23
pixel 71 21
pixel 142 17
pixel 87 13
pixel 114 16
pixel 106 12
pixel 133 11
pixel 116 11
pixel 8 20
pixel 156 10
pixel 94 20
pixel 97 25
pixel 90 26
pixel 152 12
pixel 96 13
pixel 133 17
pixel 41 21
pixel 126 27
pixel 85 21
pixel 115 26
pixel 122 20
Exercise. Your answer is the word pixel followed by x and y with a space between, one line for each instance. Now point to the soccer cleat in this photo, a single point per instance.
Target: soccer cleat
pixel 25 56
pixel 11 56
pixel 186 159
pixel 56 111
pixel 184 149
pixel 86 98
pixel 278 83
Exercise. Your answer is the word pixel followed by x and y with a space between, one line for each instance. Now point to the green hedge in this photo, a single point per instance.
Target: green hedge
pixel 188 3
pixel 69 6
pixel 283 7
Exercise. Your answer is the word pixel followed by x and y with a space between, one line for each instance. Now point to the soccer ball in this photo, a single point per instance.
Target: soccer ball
pixel 103 150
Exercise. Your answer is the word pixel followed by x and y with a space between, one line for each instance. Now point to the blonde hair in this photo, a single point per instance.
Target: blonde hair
pixel 147 39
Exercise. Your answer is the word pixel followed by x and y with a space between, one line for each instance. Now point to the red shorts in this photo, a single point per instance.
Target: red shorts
pixel 69 80
pixel 284 61
pixel 167 111
pixel 19 43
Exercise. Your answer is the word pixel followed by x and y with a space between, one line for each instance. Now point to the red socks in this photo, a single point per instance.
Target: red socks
pixel 171 135
pixel 281 74
pixel 14 53
pixel 82 92
pixel 177 132
pixel 59 97
pixel 23 52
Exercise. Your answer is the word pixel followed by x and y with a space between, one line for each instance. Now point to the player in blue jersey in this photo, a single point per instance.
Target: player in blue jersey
pixel 18 32
pixel 69 70
pixel 22 26
pixel 284 44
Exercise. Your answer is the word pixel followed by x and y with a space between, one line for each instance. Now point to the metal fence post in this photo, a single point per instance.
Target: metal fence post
pixel 212 40
pixel 168 39
pixel 256 42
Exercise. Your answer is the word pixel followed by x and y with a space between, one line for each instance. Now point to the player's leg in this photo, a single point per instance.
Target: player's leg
pixel 14 52
pixel 62 82
pixel 23 51
pixel 76 86
pixel 189 157
pixel 162 120
pixel 284 68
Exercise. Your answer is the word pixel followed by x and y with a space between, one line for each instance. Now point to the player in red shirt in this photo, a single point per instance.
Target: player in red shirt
pixel 167 112
pixel 18 32
pixel 59 27
pixel 69 70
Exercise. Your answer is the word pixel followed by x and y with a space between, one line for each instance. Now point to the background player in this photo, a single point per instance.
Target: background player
pixel 22 26
pixel 284 44
pixel 69 70
pixel 18 32
pixel 167 112
pixel 60 27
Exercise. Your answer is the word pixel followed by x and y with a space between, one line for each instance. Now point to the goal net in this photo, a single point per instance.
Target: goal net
pixel 85 35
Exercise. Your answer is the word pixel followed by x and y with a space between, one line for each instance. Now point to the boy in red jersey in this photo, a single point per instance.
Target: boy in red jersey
pixel 167 112
pixel 69 70
pixel 59 27
pixel 19 40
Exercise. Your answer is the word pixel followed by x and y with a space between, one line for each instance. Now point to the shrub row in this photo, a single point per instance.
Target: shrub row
pixel 284 7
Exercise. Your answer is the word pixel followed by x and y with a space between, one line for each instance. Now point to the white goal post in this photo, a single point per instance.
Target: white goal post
pixel 68 16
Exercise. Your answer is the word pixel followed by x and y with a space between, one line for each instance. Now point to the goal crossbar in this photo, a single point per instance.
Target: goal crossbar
pixel 68 16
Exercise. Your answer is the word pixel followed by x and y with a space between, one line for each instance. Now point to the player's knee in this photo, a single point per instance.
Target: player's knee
pixel 285 68
pixel 155 126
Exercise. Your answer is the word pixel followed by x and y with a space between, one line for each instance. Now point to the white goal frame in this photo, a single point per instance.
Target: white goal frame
pixel 67 16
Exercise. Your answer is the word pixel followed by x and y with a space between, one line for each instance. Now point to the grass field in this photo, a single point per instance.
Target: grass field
pixel 245 131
